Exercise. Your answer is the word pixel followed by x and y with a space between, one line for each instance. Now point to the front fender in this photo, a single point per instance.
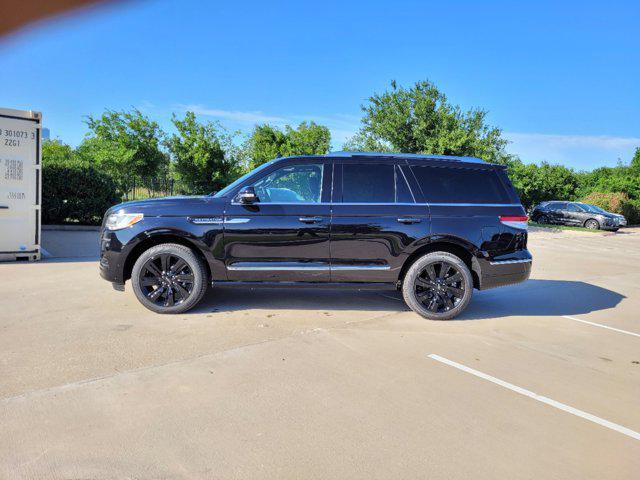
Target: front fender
pixel 121 248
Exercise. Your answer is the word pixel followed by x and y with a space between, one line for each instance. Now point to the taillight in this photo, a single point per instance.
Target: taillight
pixel 515 222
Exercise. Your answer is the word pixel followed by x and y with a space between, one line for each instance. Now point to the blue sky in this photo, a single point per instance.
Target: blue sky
pixel 560 78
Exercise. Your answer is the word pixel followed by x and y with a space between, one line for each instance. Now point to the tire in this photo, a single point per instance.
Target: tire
pixel 543 220
pixel 169 278
pixel 427 271
pixel 592 224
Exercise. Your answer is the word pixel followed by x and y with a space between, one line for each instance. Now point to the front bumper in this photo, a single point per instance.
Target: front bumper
pixel 113 253
pixel 615 224
pixel 505 270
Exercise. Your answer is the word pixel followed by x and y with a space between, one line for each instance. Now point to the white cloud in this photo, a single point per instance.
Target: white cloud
pixel 578 151
pixel 583 152
pixel 341 126
pixel 233 115
pixel 590 141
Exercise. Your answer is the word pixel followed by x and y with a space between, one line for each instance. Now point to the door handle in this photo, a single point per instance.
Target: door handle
pixel 409 220
pixel 310 219
pixel 4 207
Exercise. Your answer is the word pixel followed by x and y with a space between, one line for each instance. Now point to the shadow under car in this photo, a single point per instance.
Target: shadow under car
pixel 532 298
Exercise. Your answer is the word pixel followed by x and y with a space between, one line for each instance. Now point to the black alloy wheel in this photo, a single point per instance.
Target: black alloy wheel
pixel 543 219
pixel 438 286
pixel 166 280
pixel 169 278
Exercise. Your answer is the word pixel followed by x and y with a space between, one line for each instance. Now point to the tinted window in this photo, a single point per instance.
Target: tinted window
pixel 460 185
pixel 403 193
pixel 560 206
pixel 291 184
pixel 368 183
pixel 574 208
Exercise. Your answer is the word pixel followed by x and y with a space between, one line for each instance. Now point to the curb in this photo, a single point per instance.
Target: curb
pixel 71 228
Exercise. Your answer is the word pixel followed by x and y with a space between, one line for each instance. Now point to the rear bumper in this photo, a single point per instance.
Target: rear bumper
pixel 514 268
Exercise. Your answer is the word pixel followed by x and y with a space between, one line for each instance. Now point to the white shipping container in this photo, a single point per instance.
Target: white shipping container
pixel 20 185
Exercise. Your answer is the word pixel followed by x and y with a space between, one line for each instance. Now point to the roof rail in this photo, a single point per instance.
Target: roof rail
pixel 418 156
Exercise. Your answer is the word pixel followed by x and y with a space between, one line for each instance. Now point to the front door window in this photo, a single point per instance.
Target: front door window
pixel 291 184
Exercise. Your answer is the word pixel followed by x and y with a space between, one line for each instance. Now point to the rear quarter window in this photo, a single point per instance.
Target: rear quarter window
pixel 460 185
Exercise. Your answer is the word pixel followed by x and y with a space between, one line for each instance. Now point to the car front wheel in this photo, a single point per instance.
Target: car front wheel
pixel 169 278
pixel 438 286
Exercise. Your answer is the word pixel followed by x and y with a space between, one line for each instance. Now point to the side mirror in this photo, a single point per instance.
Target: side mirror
pixel 247 195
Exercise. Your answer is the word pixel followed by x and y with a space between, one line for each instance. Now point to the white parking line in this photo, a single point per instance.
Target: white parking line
pixel 601 326
pixel 540 398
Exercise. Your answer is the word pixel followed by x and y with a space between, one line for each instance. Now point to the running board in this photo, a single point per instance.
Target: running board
pixel 335 285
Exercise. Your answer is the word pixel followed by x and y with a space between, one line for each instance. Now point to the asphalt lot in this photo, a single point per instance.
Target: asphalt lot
pixel 327 384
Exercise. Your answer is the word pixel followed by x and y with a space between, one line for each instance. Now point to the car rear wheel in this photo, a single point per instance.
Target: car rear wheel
pixel 543 219
pixel 592 224
pixel 438 286
pixel 169 278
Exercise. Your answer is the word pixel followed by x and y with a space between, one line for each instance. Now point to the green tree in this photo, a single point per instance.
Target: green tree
pixel 421 120
pixel 635 161
pixel 73 191
pixel 54 152
pixel 622 178
pixel 126 145
pixel 268 142
pixel 265 143
pixel 204 156
pixel 539 183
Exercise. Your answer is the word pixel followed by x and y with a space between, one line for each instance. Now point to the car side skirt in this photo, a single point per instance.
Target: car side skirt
pixel 324 285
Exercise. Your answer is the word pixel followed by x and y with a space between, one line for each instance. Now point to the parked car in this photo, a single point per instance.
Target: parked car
pixel 435 227
pixel 577 214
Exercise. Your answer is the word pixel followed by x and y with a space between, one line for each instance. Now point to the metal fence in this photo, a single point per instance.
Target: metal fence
pixel 141 188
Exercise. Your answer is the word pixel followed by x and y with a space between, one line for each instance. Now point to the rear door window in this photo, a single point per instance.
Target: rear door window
pixel 403 192
pixel 460 185
pixel 374 183
pixel 573 208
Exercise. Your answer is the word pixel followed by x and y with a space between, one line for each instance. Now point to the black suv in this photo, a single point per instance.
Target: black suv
pixel 433 226
pixel 577 214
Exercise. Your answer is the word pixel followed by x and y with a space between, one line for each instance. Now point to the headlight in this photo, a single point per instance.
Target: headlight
pixel 118 221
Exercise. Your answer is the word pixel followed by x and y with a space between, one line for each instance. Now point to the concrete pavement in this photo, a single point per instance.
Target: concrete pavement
pixel 325 384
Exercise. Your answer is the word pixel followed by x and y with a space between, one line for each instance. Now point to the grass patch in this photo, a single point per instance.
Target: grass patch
pixel 563 227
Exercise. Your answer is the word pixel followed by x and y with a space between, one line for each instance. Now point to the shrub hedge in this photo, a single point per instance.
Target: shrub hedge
pixel 76 194
pixel 616 202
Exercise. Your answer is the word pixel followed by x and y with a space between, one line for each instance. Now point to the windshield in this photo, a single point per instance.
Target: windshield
pixel 591 208
pixel 237 182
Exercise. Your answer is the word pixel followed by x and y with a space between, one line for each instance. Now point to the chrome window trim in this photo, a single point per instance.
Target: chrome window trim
pixel 280 203
pixel 475 204
pixel 507 262
pixel 387 204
